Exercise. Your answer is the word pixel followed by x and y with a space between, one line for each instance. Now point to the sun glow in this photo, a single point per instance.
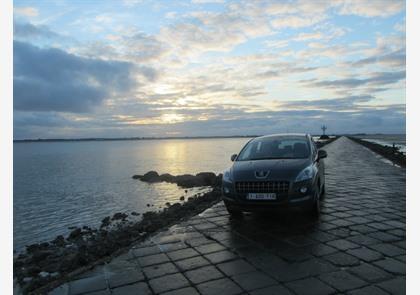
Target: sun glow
pixel 172 118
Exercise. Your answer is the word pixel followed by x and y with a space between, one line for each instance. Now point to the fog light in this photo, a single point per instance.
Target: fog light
pixel 226 190
pixel 303 189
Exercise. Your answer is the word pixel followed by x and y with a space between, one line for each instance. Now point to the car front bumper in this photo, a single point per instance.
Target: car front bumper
pixel 292 199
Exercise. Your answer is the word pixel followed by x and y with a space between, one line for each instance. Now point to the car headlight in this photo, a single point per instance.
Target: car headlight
pixel 305 174
pixel 227 176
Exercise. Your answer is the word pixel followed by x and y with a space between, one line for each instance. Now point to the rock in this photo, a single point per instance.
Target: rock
pixel 182 198
pixel 75 234
pixel 135 213
pixel 168 204
pixel 27 279
pixel 106 221
pixel 119 216
pixel 185 180
pixel 150 176
pixel 59 241
pixel 41 255
pixel 44 274
pixel 148 205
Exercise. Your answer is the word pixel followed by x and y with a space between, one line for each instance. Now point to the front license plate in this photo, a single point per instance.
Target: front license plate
pixel 261 196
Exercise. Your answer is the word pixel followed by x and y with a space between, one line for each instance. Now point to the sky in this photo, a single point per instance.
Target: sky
pixel 203 68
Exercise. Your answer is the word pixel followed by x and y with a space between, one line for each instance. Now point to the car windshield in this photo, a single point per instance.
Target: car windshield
pixel 275 148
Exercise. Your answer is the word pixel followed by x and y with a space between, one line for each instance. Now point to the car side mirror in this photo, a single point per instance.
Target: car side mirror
pixel 321 154
pixel 233 157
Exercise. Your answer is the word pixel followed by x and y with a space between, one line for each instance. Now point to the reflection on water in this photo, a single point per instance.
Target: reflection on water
pixel 62 184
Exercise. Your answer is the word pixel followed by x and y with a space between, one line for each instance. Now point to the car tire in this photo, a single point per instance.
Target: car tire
pixel 316 207
pixel 234 213
pixel 323 192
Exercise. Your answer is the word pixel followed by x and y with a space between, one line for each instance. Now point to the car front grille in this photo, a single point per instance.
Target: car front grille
pixel 280 187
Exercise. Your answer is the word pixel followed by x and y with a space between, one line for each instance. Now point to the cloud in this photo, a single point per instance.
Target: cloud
pixel 26 11
pixel 376 8
pixel 30 31
pixel 376 79
pixel 342 103
pixel 48 79
pixel 206 1
pixel 394 59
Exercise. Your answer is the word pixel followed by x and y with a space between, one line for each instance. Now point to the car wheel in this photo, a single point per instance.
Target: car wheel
pixel 323 191
pixel 234 213
pixel 316 207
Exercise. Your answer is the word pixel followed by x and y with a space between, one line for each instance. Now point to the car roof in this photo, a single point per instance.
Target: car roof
pixel 285 135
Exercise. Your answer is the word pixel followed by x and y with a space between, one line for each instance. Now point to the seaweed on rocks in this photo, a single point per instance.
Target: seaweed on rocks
pixel 44 266
pixel 185 180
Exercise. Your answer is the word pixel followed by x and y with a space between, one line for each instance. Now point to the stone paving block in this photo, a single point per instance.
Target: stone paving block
pixel 365 254
pixel 210 248
pixel 388 249
pixel 182 254
pixel 391 265
pixel 102 292
pixel 342 280
pixel 369 272
pixel 191 263
pixel 217 287
pixel 400 258
pixel 341 222
pixel 134 289
pixel 159 270
pixel 203 274
pixel 370 290
pixel 321 236
pixel 357 220
pixel 381 226
pixel 125 277
pixel 253 280
pixel 296 254
pixel 363 240
pixel 169 282
pixel 322 250
pixel 342 244
pixel 144 251
pixel 235 267
pixel 198 241
pixel 272 290
pixel 60 290
pixel 342 259
pixel 152 259
pixel 384 236
pixel 221 256
pixel 395 286
pixel 310 286
pixel 87 285
pixel 363 229
pixel 183 291
pixel 172 247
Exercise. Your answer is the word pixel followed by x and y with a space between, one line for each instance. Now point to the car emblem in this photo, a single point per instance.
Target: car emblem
pixel 261 174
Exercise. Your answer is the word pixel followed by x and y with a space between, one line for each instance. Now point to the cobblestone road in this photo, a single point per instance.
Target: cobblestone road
pixel 356 247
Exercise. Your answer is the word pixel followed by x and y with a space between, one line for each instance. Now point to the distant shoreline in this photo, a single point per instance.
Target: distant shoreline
pixel 154 138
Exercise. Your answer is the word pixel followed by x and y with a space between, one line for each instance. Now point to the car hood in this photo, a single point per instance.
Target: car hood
pixel 281 169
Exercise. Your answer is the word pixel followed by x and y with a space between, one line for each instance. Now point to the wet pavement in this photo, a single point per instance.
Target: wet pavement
pixel 356 247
